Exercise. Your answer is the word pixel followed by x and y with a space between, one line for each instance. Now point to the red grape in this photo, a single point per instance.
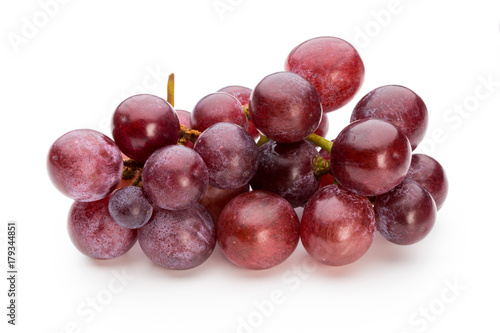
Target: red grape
pixel 85 165
pixel 406 214
pixel 94 232
pixel 130 207
pixel 243 95
pixel 323 127
pixel 398 105
pixel 215 199
pixel 258 230
pixel 337 226
pixel 229 153
pixel 144 123
pixel 285 107
pixel 287 169
pixel 217 108
pixel 180 239
pixel 428 172
pixel 175 177
pixel 370 157
pixel 332 65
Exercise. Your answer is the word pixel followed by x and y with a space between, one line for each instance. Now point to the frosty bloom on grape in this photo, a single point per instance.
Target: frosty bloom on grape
pixel 430 311
pixel 152 80
pixel 292 280
pixel 454 116
pixel 88 309
pixel 32 25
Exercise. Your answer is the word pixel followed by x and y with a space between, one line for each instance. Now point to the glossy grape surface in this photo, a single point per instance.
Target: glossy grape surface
pixel 85 165
pixel 175 177
pixel 287 169
pixel 370 157
pixel 258 230
pixel 398 105
pixel 242 94
pixel 323 127
pixel 215 199
pixel 180 239
pixel 94 232
pixel 406 214
pixel 285 107
pixel 144 123
pixel 332 65
pixel 130 207
pixel 428 172
pixel 230 154
pixel 337 226
pixel 216 108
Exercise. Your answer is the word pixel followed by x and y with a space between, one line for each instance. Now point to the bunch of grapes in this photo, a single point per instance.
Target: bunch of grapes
pixel 179 182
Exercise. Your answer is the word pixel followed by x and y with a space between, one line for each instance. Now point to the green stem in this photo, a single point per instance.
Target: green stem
pixel 320 142
pixel 263 139
pixel 170 89
pixel 321 166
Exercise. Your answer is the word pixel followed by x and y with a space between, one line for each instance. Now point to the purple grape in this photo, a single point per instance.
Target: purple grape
pixel 180 239
pixel 215 199
pixel 85 165
pixel 285 107
pixel 94 232
pixel 323 127
pixel 230 154
pixel 398 105
pixel 287 169
pixel 241 93
pixel 370 157
pixel 332 65
pixel 216 108
pixel 175 177
pixel 258 230
pixel 337 226
pixel 428 172
pixel 144 123
pixel 130 207
pixel 406 214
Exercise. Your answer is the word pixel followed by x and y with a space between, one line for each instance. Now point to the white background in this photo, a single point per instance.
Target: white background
pixel 87 56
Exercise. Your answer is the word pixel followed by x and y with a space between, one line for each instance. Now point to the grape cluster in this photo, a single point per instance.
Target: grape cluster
pixel 180 182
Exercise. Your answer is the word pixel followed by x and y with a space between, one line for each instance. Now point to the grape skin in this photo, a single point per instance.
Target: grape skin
pixel 370 157
pixel 181 239
pixel 175 177
pixel 144 123
pixel 398 105
pixel 332 65
pixel 85 165
pixel 94 232
pixel 337 226
pixel 285 107
pixel 216 108
pixel 287 169
pixel 215 199
pixel 130 208
pixel 428 172
pixel 229 153
pixel 406 214
pixel 258 230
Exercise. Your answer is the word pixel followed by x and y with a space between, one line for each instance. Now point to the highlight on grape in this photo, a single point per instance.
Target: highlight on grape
pixel 231 171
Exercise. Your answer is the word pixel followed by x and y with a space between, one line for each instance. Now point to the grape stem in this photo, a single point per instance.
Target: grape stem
pixel 263 139
pixel 132 170
pixel 320 142
pixel 186 134
pixel 170 89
